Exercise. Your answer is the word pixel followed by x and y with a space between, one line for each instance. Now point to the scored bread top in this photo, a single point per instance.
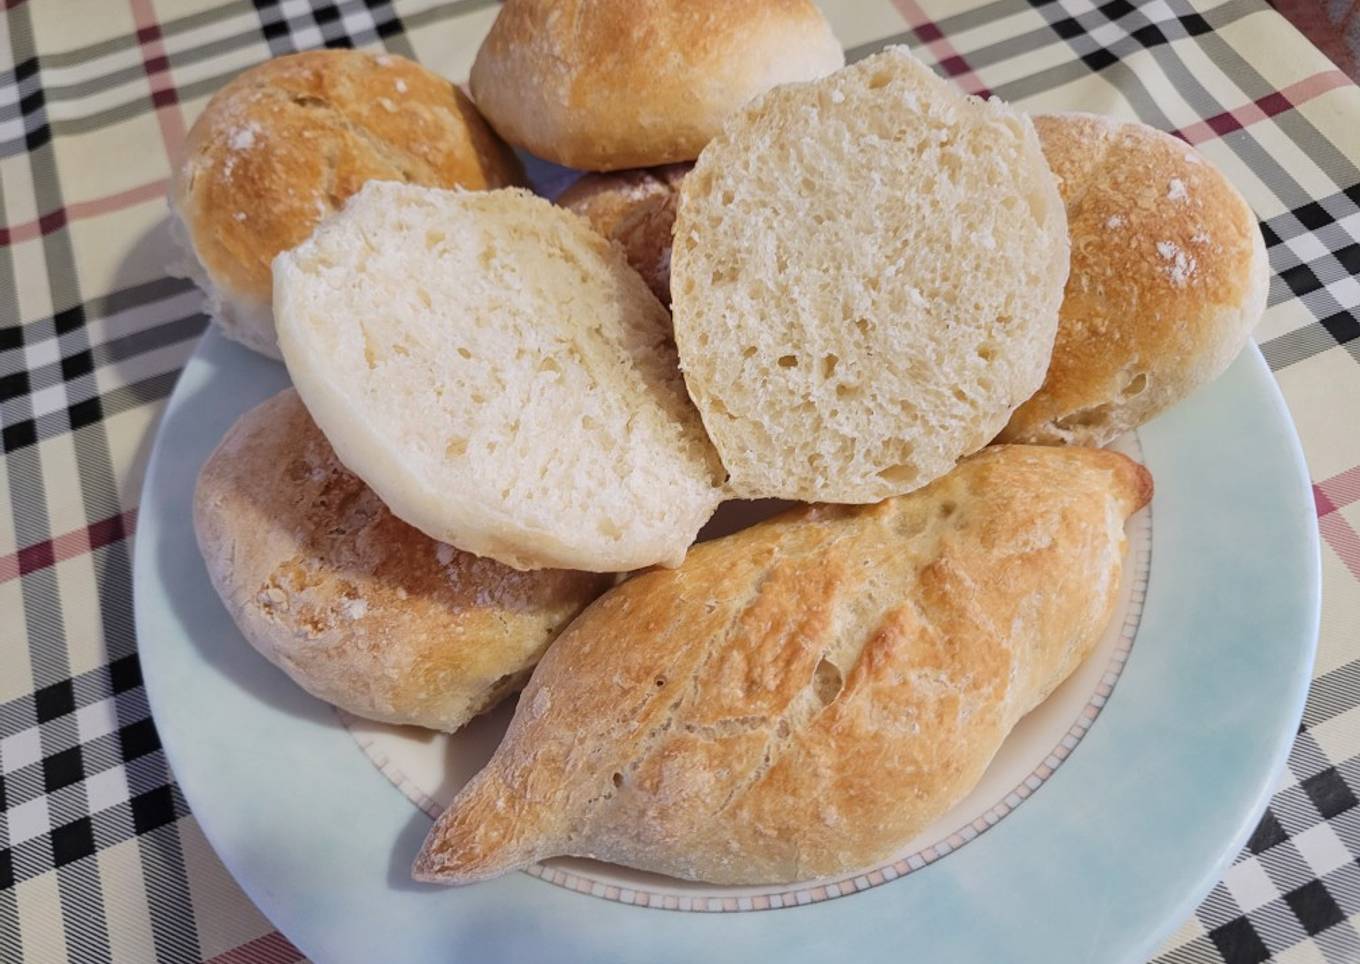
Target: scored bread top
pixel 800 698
pixel 1169 276
pixel 865 281
pixel 284 144
pixel 493 368
pixel 359 608
pixel 603 85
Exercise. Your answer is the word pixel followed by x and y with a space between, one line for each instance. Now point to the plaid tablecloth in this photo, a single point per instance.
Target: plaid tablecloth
pixel 100 857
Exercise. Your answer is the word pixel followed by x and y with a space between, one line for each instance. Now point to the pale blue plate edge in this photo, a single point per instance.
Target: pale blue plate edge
pixel 1017 891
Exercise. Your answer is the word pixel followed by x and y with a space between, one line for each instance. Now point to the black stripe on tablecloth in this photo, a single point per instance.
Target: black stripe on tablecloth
pixel 1319 283
pixel 74 841
pixel 1322 152
pixel 24 436
pixel 1333 693
pixel 134 738
pixel 74 361
pixel 139 297
pixel 80 891
pixel 278 28
pixel 1133 24
pixel 1191 24
pixel 379 23
pixel 166 313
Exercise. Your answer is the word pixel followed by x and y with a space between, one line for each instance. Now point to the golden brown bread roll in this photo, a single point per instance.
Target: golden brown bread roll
pixel 1169 275
pixel 603 85
pixel 360 609
pixel 637 210
pixel 800 699
pixel 285 143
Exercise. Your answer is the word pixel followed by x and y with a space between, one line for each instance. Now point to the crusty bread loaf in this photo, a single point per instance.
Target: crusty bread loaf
pixel 283 145
pixel 1169 276
pixel 359 608
pixel 603 85
pixel 493 368
pixel 865 281
pixel 800 699
pixel 637 210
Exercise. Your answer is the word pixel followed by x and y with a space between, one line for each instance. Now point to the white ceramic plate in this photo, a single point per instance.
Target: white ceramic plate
pixel 1092 850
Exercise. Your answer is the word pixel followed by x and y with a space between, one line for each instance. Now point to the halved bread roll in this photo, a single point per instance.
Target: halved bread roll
pixel 801 698
pixel 1169 276
pixel 284 144
pixel 603 85
pixel 360 609
pixel 500 376
pixel 865 281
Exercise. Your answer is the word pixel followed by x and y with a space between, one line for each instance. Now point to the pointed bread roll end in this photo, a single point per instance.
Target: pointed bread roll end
pixel 1134 481
pixel 481 838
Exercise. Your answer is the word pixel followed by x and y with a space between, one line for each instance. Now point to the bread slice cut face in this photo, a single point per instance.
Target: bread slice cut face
pixel 865 281
pixel 500 376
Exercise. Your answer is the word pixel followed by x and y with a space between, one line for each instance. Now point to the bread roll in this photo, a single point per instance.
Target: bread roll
pixel 357 607
pixel 802 698
pixel 282 146
pixel 493 368
pixel 865 281
pixel 603 85
pixel 1169 276
pixel 636 209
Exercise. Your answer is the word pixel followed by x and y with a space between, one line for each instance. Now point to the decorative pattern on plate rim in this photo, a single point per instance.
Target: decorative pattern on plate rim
pixel 816 891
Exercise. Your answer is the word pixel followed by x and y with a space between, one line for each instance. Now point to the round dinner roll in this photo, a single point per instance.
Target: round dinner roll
pixel 637 210
pixel 1169 276
pixel 865 281
pixel 603 85
pixel 285 143
pixel 360 609
pixel 502 378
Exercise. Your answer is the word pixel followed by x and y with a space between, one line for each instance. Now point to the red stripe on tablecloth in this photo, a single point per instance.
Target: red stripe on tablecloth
pixel 164 97
pixel 68 545
pixel 1324 505
pixel 1337 492
pixel 270 949
pixel 1330 495
pixel 949 59
pixel 1343 539
pixel 58 219
pixel 1258 110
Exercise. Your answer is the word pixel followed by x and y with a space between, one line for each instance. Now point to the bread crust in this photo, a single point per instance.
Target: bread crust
pixel 360 609
pixel 1169 275
pixel 801 698
pixel 284 144
pixel 603 85
pixel 635 209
